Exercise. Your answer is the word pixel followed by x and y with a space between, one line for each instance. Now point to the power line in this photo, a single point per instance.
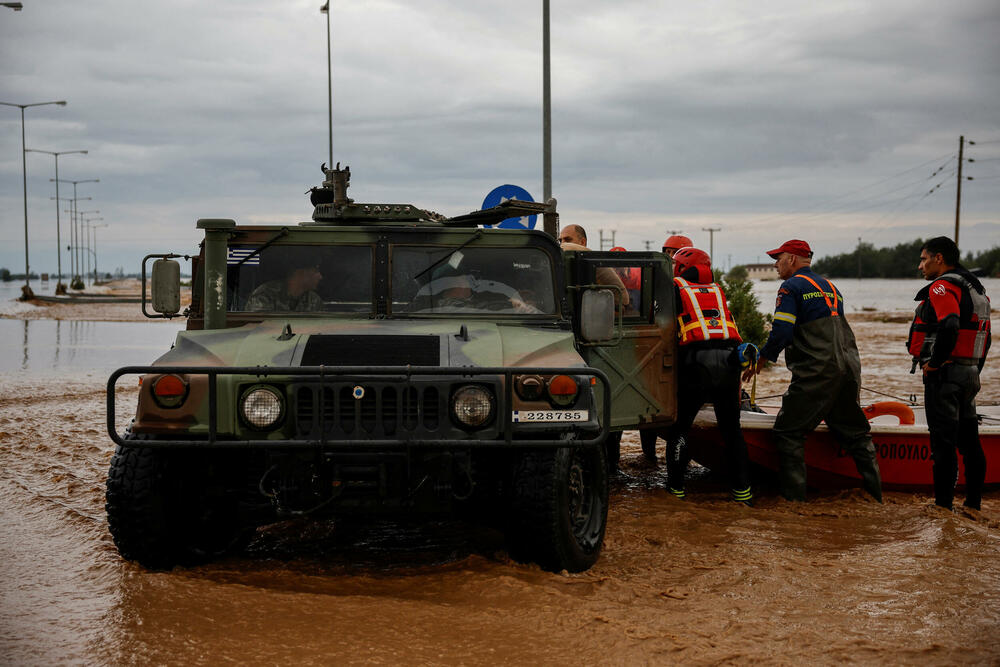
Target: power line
pixel 947 157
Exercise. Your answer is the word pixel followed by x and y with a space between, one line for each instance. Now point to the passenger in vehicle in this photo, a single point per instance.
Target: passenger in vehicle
pixel 574 237
pixel 294 293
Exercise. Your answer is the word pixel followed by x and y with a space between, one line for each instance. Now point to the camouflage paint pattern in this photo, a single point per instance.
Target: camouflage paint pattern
pixel 640 364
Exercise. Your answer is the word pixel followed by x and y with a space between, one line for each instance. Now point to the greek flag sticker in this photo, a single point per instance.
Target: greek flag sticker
pixel 237 255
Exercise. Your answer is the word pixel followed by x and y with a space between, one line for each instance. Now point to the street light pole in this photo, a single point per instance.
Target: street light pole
pixel 76 232
pixel 85 230
pixel 546 118
pixel 325 9
pixel 26 292
pixel 94 229
pixel 60 288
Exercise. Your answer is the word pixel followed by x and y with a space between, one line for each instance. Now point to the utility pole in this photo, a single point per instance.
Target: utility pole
pixel 648 244
pixel 604 239
pixel 711 241
pixel 958 191
pixel 859 258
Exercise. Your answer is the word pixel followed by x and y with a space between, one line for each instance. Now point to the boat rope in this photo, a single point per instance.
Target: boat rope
pixel 912 400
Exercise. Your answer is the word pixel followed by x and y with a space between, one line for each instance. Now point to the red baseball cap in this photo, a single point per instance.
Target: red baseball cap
pixel 794 247
pixel 618 248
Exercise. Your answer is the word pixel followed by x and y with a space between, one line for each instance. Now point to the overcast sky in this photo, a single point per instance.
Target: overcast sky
pixel 769 120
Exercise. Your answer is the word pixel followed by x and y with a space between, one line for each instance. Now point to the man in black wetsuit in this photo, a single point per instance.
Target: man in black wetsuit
pixel 949 339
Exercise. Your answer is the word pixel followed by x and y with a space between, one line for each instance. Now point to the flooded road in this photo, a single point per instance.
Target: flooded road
pixel 701 581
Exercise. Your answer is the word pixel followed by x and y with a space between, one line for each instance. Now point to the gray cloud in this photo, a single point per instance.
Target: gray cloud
pixel 752 117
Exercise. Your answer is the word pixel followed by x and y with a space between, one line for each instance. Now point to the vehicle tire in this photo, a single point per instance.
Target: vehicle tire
pixel 559 508
pixel 613 451
pixel 647 437
pixel 165 508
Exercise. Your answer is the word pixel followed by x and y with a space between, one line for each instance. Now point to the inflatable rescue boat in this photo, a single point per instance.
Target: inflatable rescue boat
pixel 899 433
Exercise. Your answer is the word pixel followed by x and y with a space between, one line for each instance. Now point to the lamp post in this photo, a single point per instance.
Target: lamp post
pixel 86 236
pixel 60 288
pixel 26 292
pixel 95 228
pixel 73 232
pixel 325 9
pixel 85 244
pixel 76 232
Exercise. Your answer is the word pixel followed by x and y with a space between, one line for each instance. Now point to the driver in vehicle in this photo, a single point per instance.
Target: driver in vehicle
pixel 295 293
pixel 465 292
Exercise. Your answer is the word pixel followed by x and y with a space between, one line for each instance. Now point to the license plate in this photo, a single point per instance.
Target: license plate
pixel 550 415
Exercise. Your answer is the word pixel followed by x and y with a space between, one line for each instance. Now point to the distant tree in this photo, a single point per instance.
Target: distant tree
pixel 987 261
pixel 5 274
pixel 744 305
pixel 867 261
pixel 900 261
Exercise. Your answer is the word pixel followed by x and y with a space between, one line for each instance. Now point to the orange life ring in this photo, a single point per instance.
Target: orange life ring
pixel 896 408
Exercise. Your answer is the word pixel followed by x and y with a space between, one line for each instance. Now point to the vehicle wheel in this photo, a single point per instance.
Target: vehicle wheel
pixel 613 451
pixel 559 508
pixel 165 508
pixel 648 439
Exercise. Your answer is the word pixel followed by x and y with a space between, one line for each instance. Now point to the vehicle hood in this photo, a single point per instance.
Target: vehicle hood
pixel 451 342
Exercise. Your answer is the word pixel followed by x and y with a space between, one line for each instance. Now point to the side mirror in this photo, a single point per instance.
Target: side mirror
pixel 597 315
pixel 165 287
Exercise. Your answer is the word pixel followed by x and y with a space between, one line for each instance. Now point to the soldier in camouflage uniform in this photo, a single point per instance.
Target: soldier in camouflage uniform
pixel 296 293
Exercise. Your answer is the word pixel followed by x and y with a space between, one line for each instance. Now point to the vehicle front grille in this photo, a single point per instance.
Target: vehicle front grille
pixel 385 411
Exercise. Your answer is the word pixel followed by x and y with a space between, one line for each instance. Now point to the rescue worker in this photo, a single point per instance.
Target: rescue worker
pixel 709 372
pixel 949 339
pixel 821 353
pixel 675 243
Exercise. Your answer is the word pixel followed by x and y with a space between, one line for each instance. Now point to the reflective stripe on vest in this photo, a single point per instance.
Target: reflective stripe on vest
pixel 694 324
pixel 831 305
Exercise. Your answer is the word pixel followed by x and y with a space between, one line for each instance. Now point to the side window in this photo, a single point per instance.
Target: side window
pixel 638 279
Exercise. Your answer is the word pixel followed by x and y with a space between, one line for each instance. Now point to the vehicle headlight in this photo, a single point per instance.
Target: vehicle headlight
pixel 472 405
pixel 261 407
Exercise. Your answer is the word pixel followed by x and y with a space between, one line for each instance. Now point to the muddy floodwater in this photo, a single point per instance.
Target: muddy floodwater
pixel 702 581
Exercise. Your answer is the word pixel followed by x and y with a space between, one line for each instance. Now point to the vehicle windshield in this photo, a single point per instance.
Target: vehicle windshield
pixel 512 281
pixel 300 279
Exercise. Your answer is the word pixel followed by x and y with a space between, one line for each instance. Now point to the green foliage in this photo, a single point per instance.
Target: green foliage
pixel 743 304
pixel 987 260
pixel 900 261
pixel 5 274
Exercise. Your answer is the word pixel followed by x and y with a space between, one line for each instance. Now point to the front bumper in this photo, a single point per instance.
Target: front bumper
pixel 316 380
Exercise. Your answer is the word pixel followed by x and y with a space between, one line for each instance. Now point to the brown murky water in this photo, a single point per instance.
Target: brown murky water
pixel 703 581
pixel 840 579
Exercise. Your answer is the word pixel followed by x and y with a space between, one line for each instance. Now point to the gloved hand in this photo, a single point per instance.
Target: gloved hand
pixel 747 354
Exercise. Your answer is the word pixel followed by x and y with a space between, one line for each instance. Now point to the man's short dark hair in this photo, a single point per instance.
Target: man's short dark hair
pixel 945 246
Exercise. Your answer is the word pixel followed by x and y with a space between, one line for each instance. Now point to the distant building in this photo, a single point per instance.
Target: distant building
pixel 762 271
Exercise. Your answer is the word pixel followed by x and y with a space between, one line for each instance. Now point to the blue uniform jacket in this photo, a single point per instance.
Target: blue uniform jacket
pixel 798 303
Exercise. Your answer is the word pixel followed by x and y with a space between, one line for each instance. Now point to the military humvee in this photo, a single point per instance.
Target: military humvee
pixel 385 359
